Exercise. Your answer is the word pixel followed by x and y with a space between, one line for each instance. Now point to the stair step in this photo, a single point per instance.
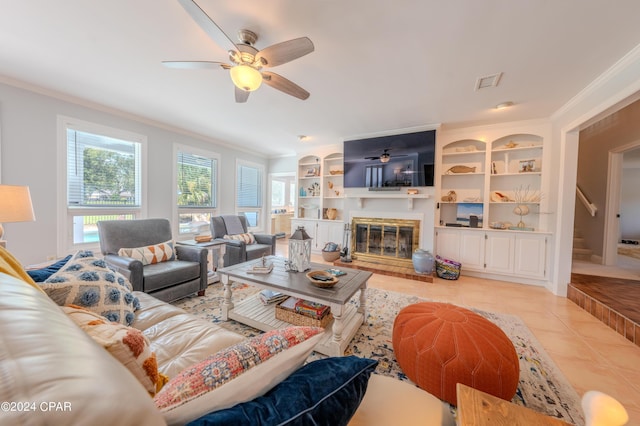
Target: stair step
pixel 579 243
pixel 579 250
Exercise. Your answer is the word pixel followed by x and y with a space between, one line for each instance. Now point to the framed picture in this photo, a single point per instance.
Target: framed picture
pixel 527 166
pixel 469 214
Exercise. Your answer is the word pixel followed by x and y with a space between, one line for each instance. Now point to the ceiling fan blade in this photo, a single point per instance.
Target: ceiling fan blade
pixel 371 158
pixel 206 23
pixel 195 65
pixel 241 95
pixel 284 85
pixel 284 52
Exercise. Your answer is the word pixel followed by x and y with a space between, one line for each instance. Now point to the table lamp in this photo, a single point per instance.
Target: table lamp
pixel 15 206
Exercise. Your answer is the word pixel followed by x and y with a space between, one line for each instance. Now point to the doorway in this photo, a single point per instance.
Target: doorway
pixel 609 172
pixel 282 196
pixel 623 206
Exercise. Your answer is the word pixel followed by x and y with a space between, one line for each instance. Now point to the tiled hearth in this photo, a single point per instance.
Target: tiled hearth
pixel 614 301
pixel 389 270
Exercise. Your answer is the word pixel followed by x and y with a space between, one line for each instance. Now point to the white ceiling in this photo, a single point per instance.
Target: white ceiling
pixel 378 65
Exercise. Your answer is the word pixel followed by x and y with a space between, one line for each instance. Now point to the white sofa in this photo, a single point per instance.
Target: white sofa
pixel 52 372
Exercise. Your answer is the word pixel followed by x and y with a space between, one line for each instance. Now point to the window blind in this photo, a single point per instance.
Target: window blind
pixel 102 171
pixel 197 180
pixel 249 184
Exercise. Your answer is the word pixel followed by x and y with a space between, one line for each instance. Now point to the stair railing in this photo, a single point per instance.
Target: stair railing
pixel 591 208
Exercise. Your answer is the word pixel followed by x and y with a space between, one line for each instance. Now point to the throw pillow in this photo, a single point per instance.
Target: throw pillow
pixel 324 392
pixel 236 374
pixel 41 274
pixel 150 254
pixel 248 238
pixel 88 282
pixel 128 345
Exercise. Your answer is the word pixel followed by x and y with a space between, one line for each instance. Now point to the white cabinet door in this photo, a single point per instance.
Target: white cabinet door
pixel 322 231
pixel 448 244
pixel 472 250
pixel 530 255
pixel 308 224
pixel 328 232
pixel 499 252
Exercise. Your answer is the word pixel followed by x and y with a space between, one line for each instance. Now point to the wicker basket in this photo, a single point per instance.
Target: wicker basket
pixel 330 256
pixel 298 319
pixel 447 269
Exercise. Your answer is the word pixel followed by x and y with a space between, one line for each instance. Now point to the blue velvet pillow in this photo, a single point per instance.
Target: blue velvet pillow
pixel 40 275
pixel 324 392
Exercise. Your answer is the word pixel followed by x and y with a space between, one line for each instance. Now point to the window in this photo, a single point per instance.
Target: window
pixel 197 184
pixel 102 179
pixel 278 193
pixel 373 176
pixel 249 192
pixel 283 192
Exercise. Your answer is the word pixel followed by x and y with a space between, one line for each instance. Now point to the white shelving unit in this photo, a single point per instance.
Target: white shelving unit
pixel 490 178
pixel 320 189
pixel 309 186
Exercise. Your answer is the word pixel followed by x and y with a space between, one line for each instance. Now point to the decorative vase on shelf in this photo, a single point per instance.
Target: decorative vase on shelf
pixel 423 261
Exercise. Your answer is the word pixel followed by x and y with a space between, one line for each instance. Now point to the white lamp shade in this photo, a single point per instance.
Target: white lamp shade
pixel 15 204
pixel 245 77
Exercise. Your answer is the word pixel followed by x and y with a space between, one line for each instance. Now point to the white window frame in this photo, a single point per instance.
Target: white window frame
pixel 178 210
pixel 258 210
pixel 65 214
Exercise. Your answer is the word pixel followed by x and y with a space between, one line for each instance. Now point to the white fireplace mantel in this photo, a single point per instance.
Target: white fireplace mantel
pixel 360 198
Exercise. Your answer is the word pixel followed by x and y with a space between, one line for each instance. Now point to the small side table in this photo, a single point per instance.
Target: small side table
pixel 217 249
pixel 477 408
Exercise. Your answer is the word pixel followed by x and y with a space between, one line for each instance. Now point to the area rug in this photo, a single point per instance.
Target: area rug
pixel 542 386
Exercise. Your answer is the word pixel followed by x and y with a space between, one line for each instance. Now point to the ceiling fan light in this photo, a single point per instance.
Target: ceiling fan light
pixel 504 105
pixel 384 158
pixel 245 77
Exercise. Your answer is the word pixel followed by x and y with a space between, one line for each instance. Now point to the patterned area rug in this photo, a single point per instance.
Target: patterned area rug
pixel 542 386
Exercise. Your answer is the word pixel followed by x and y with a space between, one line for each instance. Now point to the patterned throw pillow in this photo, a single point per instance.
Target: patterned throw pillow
pixel 88 282
pixel 248 238
pixel 236 374
pixel 128 345
pixel 150 254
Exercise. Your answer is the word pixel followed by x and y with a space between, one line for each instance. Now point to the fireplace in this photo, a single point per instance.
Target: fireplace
pixel 387 241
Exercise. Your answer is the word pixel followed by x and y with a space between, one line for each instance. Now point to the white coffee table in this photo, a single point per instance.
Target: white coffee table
pixel 347 317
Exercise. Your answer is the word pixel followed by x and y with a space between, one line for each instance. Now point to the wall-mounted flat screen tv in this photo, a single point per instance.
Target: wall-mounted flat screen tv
pixel 390 161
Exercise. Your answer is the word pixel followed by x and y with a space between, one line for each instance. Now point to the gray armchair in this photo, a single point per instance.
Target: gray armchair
pixel 238 251
pixel 167 281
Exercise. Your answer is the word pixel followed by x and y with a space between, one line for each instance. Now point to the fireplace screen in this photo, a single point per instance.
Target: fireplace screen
pixel 389 241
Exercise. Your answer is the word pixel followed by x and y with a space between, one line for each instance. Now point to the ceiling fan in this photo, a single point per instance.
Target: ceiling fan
pixel 385 156
pixel 246 70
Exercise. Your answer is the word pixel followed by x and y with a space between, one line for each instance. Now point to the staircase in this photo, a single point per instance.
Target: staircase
pixel 580 249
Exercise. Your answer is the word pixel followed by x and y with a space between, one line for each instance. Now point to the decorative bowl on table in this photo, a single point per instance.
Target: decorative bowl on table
pixel 202 238
pixel 322 279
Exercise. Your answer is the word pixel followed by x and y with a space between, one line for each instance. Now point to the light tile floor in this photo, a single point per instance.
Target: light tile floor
pixel 591 355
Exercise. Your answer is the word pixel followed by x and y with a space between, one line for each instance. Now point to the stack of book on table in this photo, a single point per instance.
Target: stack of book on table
pixel 268 297
pixel 303 312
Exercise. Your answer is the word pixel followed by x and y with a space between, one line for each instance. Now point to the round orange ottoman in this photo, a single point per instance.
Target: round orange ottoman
pixel 438 345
